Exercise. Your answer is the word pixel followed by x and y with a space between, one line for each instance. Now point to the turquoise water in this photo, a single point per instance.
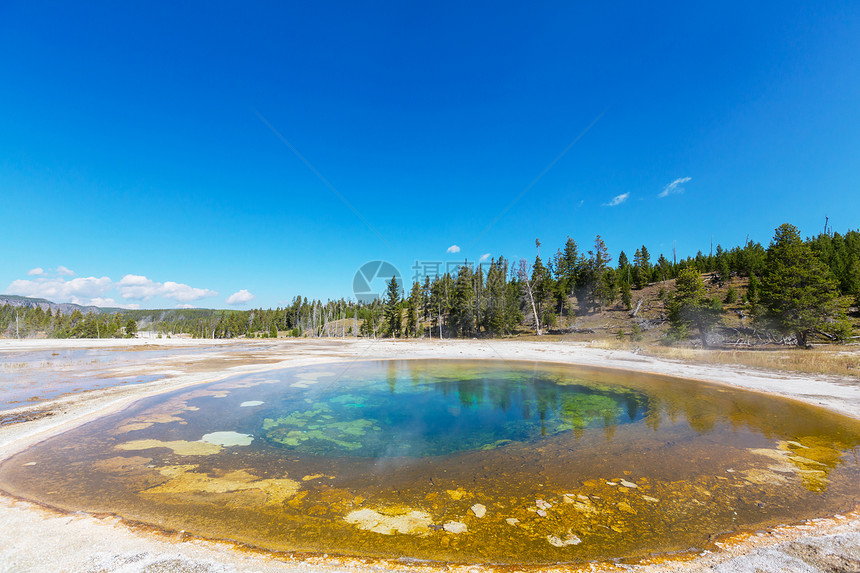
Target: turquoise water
pixel 437 414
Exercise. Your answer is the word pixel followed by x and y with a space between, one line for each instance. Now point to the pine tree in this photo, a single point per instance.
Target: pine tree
pixel 689 306
pixel 663 264
pixel 462 309
pixel 753 292
pixel 412 309
pixel 438 303
pixel 641 267
pixel 626 297
pixel 721 262
pixel 567 270
pixel 851 280
pixel 731 295
pixel 542 285
pixel 798 292
pixel 645 262
pixel 598 261
pixel 426 308
pixel 610 285
pixel 392 316
pixel 623 262
pixel 494 318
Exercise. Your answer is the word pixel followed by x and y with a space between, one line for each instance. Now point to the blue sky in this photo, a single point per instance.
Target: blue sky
pixel 135 168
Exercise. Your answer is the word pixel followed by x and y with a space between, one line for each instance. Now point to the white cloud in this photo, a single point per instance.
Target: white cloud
pixel 617 200
pixel 79 291
pixel 137 287
pixel 484 257
pixel 240 297
pixel 185 293
pixel 94 290
pixel 109 302
pixel 453 249
pixel 674 188
pixel 65 271
pixel 185 305
pixel 36 271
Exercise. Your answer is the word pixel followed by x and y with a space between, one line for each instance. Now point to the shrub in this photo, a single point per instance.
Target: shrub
pixel 731 296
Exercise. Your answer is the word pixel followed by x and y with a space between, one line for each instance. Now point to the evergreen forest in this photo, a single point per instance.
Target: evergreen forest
pixel 794 291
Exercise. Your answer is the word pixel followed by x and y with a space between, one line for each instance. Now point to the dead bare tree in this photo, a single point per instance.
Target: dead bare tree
pixel 636 310
pixel 524 272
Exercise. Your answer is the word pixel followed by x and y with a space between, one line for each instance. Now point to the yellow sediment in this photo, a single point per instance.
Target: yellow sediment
pixel 162 419
pixel 763 477
pixel 179 447
pixel 392 520
pixel 184 480
pixel 120 464
pixel 808 458
pixel 132 427
pixel 457 494
pixel 455 527
pixel 165 413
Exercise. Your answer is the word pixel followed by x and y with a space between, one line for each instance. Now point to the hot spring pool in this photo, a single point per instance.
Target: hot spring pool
pixel 478 461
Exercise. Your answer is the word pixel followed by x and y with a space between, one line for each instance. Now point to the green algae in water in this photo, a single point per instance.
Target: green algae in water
pixel 439 416
pixel 453 460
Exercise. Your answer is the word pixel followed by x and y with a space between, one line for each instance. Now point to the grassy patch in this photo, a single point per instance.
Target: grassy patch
pixel 836 360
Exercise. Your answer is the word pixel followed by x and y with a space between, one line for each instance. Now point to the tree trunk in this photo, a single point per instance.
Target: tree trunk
pixel 534 309
pixel 524 276
pixel 703 335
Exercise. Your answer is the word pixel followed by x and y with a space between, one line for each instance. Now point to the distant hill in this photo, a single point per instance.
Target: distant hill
pixel 145 316
pixel 149 316
pixel 44 304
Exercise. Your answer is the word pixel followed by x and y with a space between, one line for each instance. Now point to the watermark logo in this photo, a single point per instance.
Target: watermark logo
pixel 371 281
pixel 432 269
